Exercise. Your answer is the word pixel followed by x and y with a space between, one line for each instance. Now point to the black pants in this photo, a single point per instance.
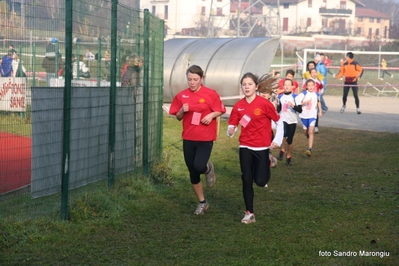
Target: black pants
pixel 355 88
pixel 196 156
pixel 385 72
pixel 255 167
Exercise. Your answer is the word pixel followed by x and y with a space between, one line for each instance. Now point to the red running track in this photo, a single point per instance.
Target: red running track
pixel 15 162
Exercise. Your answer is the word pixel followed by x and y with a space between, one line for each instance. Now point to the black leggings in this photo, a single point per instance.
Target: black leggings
pixel 289 132
pixel 196 156
pixel 385 72
pixel 255 166
pixel 355 88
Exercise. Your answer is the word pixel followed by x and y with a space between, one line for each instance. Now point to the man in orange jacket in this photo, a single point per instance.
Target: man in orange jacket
pixel 352 71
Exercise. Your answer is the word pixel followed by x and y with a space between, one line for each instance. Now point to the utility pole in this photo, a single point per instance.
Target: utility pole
pixel 238 18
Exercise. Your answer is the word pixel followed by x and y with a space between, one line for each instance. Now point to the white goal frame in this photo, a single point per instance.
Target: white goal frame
pixel 343 52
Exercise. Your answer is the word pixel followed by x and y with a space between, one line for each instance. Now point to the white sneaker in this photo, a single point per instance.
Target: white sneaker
pixel 248 218
pixel 391 76
pixel 316 130
pixel 210 176
pixel 273 161
pixel 358 111
pixel 343 108
pixel 381 79
pixel 201 208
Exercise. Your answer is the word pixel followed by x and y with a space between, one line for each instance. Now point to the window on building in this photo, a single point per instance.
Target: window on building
pixel 219 0
pixel 342 5
pixel 324 23
pixel 370 31
pixel 308 22
pixel 371 20
pixel 377 32
pixel 285 24
pixel 378 20
pixel 359 30
pixel 309 3
pixel 360 19
pixel 286 6
pixel 153 10
pixel 219 11
pixel 203 11
pixel 166 12
pixel 385 32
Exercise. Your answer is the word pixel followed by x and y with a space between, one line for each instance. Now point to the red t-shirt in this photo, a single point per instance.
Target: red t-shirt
pixel 204 101
pixel 260 112
pixel 281 87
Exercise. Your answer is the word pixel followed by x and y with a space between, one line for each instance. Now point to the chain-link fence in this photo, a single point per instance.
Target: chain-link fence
pixel 80 99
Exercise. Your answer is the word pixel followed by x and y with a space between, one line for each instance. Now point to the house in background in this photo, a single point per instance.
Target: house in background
pixel 250 18
pixel 189 17
pixel 371 24
pixel 317 16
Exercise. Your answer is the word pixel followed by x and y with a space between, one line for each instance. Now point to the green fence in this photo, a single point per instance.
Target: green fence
pixel 80 100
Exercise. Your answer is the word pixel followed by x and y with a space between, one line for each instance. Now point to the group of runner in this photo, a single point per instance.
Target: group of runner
pixel 265 122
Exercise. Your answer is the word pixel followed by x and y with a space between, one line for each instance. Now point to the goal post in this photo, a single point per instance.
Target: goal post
pixel 369 60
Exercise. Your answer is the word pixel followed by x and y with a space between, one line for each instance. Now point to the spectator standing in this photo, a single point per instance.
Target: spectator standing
pixel 93 66
pixel 6 65
pixel 89 55
pixel 327 62
pixel 322 69
pixel 18 70
pixel 352 71
pixel 52 61
pixel 12 49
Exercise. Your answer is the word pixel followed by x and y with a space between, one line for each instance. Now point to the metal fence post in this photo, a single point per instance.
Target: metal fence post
pixel 99 61
pixel 34 64
pixel 112 99
pixel 67 111
pixel 146 90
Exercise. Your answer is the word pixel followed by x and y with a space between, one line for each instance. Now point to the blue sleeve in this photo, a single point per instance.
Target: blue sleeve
pixel 322 69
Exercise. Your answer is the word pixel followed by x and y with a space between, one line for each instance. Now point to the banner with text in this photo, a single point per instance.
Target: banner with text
pixel 13 94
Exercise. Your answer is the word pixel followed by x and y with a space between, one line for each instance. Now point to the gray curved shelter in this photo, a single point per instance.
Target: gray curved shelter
pixel 224 61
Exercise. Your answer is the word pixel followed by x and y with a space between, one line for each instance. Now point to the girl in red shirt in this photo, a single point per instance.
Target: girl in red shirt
pixel 254 114
pixel 198 107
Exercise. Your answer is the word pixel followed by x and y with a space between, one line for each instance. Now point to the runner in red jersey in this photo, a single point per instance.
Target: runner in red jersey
pixel 198 107
pixel 254 114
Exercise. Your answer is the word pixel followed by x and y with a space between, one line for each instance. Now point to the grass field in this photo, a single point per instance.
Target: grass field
pixel 344 199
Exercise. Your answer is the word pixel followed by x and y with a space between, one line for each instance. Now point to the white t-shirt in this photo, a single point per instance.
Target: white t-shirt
pixel 287 113
pixel 308 110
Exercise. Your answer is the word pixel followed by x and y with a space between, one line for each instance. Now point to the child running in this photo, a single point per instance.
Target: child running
pixel 319 88
pixel 288 75
pixel 197 107
pixel 309 100
pixel 254 114
pixel 287 109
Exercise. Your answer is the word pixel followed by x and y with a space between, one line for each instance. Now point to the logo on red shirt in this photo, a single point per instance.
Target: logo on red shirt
pixel 257 111
pixel 202 100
